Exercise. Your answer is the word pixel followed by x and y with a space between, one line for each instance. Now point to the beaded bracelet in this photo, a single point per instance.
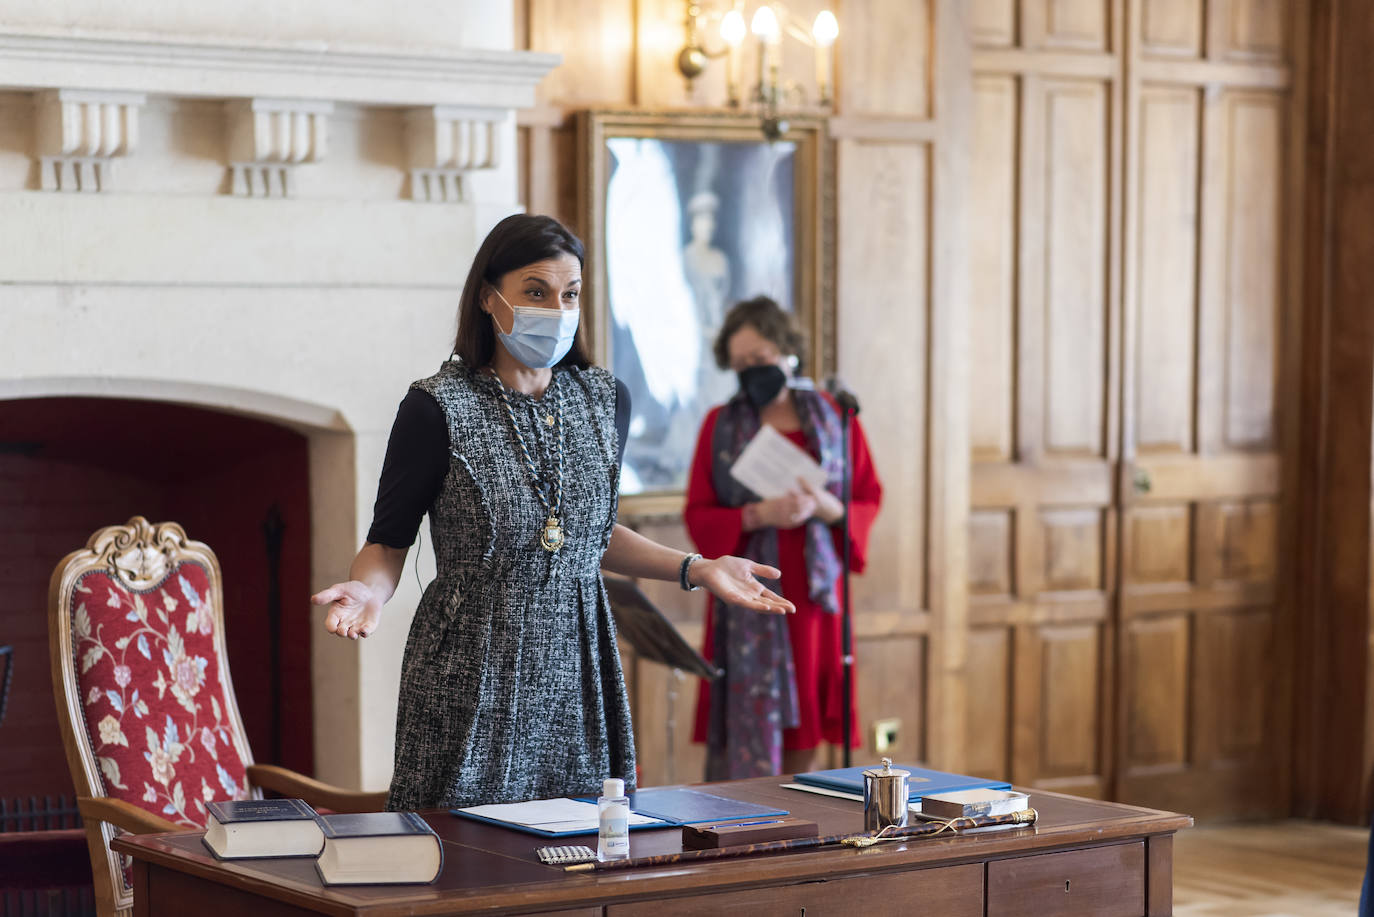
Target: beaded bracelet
pixel 682 572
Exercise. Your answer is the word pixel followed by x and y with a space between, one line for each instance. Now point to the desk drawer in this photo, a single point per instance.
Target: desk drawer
pixel 1097 882
pixel 950 891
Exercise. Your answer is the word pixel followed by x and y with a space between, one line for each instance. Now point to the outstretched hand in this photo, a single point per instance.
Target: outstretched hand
pixel 353 610
pixel 734 580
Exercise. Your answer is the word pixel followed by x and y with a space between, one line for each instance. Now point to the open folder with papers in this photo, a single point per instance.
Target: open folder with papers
pixel 770 465
pixel 657 807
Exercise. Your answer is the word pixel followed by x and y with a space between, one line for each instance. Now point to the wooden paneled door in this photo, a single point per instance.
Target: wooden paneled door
pixel 1204 672
pixel 1044 422
pixel 1127 200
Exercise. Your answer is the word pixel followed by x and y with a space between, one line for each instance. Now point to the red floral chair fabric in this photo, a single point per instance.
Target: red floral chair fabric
pixel 144 698
pixel 154 693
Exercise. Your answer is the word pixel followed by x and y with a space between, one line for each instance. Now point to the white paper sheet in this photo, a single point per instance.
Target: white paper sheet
pixel 771 464
pixel 556 815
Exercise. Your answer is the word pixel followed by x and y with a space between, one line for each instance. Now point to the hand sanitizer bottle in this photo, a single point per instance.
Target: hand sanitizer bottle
pixel 613 808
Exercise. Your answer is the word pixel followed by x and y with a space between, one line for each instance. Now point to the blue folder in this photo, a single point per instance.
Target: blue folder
pixel 527 829
pixel 922 781
pixel 673 806
pixel 693 807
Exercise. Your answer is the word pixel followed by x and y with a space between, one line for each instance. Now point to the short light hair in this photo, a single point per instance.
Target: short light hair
pixel 769 319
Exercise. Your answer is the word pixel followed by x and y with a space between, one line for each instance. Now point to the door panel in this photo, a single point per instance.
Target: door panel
pixel 1123 561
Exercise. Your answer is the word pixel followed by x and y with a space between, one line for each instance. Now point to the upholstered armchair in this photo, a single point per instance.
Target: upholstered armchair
pixel 144 698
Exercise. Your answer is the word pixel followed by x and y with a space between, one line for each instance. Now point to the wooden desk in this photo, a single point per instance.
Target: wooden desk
pixel 1083 857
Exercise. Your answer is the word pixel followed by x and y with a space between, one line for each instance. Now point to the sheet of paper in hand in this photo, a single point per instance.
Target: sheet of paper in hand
pixel 771 464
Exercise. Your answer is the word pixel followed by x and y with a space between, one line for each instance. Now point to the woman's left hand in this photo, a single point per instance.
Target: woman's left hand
pixel 829 508
pixel 734 581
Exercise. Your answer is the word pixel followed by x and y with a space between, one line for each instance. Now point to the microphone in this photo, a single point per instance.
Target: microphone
pixel 842 395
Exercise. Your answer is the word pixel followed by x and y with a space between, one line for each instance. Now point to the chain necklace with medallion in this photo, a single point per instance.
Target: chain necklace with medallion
pixel 551 538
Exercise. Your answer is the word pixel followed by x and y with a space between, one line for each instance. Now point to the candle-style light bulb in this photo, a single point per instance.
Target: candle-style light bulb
pixel 732 29
pixel 765 28
pixel 732 32
pixel 824 30
pixel 765 25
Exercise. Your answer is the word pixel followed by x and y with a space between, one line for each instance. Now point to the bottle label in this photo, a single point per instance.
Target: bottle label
pixel 613 838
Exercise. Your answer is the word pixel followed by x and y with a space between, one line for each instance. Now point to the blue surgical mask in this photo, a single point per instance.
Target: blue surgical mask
pixel 539 338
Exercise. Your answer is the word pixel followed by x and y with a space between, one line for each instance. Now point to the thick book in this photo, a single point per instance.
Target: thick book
pixel 262 828
pixel 379 848
pixel 961 803
pixel 922 781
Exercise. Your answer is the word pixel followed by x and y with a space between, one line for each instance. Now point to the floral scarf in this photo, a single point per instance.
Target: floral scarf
pixel 756 697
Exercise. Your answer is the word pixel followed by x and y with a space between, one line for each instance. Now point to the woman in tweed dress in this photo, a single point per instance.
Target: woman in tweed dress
pixel 511 687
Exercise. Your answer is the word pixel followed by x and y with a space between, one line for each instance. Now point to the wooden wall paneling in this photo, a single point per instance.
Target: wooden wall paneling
pixel 992 215
pixel 885 60
pixel 1203 307
pixel 890 684
pixel 1081 25
pixel 884 222
pixel 597 41
pixel 1248 30
pixel 1293 498
pixel 948 366
pixel 990 706
pixel 1165 236
pixel 1155 674
pixel 1171 28
pixel 1047 154
pixel 993 23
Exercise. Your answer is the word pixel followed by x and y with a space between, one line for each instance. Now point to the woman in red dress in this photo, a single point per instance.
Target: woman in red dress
pixel 782 691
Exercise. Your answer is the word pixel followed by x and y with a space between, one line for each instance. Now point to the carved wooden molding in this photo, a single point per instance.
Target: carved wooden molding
pixel 80 134
pixel 269 138
pixel 445 141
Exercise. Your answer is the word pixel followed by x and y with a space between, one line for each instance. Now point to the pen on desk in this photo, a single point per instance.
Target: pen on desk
pixel 746 824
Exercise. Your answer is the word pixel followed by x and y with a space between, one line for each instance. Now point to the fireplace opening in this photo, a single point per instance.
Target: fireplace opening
pixel 69 466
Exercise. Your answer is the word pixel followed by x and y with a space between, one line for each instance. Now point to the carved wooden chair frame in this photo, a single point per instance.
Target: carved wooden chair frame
pixel 139 554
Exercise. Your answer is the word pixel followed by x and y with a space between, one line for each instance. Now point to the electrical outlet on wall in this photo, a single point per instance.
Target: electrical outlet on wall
pixel 885 734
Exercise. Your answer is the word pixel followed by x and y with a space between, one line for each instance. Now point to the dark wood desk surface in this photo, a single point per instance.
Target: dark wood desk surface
pixel 489 869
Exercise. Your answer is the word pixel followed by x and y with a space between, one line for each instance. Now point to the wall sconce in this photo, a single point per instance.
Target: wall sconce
pixel 769 23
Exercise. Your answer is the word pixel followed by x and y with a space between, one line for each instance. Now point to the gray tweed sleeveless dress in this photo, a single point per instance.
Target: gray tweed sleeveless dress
pixel 511 686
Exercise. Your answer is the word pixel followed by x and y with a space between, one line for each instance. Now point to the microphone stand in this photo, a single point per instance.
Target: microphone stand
pixel 849 407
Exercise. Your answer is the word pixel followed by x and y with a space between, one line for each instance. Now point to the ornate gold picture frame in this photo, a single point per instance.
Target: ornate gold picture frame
pixel 684 216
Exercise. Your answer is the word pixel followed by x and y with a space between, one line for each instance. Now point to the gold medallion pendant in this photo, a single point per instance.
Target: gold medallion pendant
pixel 552 536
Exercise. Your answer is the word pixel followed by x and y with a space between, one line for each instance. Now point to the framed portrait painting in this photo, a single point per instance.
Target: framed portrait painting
pixel 684 217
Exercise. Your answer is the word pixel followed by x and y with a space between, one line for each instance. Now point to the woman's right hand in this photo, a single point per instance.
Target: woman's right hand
pixel 353 609
pixel 786 512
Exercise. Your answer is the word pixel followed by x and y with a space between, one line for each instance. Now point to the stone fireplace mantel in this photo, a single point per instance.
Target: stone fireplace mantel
pixel 240 69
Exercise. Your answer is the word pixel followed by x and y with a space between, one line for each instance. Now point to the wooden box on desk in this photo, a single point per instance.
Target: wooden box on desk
pixel 782 828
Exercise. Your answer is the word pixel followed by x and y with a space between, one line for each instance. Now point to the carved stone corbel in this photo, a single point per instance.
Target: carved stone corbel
pixel 80 133
pixel 270 138
pixel 446 141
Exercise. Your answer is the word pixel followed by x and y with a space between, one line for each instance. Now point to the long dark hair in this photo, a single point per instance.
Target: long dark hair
pixel 516 241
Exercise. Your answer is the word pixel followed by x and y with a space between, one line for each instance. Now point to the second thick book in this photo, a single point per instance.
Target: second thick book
pixel 379 848
pixel 262 828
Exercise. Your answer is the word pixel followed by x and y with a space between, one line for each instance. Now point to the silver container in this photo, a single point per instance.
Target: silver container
pixel 885 797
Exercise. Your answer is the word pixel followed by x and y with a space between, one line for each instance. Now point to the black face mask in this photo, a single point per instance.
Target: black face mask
pixel 761 384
